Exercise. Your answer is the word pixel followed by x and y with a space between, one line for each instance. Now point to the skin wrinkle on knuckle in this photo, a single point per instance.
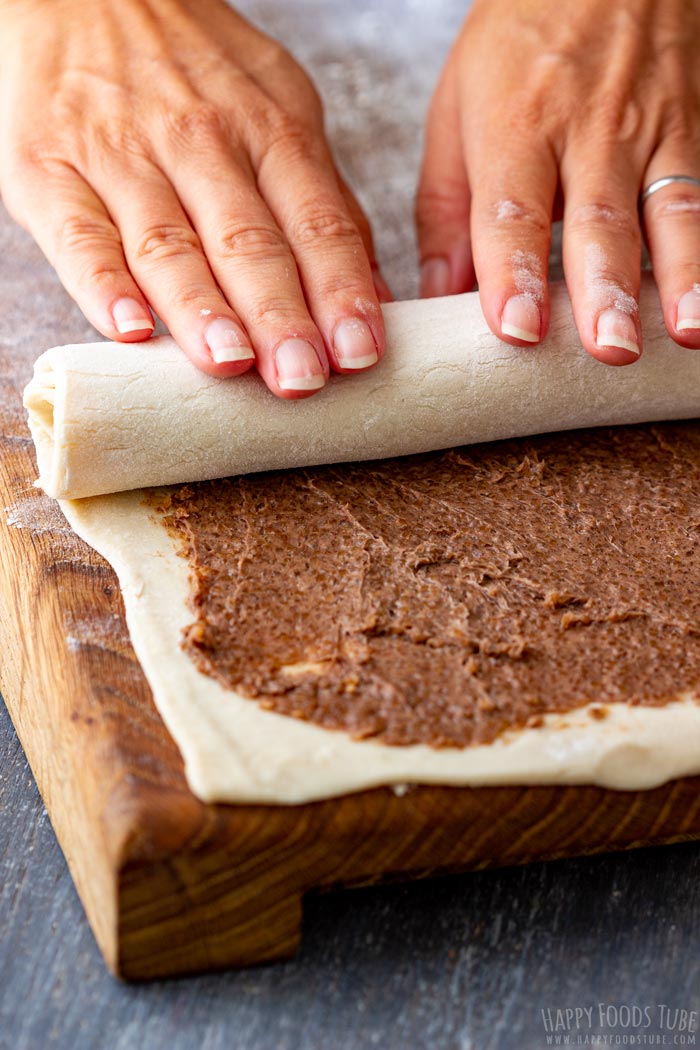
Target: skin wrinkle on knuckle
pixel 251 241
pixel 97 123
pixel 202 124
pixel 598 215
pixel 343 289
pixel 187 298
pixel 514 214
pixel 84 231
pixel 324 225
pixel 284 140
pixel 613 120
pixel 38 158
pixel 277 314
pixel 161 242
pixel 93 119
pixel 439 205
pixel 117 139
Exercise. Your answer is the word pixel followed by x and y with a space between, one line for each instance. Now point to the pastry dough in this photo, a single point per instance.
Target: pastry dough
pixel 234 751
pixel 109 417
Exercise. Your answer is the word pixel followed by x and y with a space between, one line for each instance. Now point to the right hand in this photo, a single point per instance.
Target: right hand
pixel 168 153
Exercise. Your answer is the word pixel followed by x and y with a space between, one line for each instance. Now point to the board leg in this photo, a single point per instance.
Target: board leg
pixel 175 920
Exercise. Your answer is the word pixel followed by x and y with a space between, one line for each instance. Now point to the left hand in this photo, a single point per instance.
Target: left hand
pixel 547 106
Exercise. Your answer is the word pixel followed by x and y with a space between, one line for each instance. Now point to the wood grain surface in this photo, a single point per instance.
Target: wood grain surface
pixel 172 885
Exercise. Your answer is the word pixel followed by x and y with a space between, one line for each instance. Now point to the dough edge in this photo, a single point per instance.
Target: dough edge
pixel 235 751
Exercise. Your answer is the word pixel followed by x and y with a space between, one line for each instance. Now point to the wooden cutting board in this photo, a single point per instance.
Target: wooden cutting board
pixel 171 885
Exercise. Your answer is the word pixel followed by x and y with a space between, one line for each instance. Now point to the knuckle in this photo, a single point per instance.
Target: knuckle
pixel 251 240
pixel 285 138
pixel 200 123
pixel 160 242
pixel 32 158
pixel 92 244
pixel 617 119
pixel 530 215
pixel 188 297
pixel 323 223
pixel 271 313
pixel 351 292
pixel 440 206
pixel 599 214
pixel 119 138
pixel 83 230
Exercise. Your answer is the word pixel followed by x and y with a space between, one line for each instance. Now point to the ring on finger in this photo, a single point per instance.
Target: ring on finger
pixel 662 183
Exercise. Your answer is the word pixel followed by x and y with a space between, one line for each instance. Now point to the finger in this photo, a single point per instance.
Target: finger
pixel 298 182
pixel 165 256
pixel 672 226
pixel 70 224
pixel 254 267
pixel 442 199
pixel 602 253
pixel 513 198
pixel 384 294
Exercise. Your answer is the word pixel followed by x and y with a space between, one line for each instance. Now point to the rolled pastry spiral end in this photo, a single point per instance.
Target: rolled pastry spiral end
pixel 39 401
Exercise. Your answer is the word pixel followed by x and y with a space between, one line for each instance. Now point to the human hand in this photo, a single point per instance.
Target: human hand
pixel 573 105
pixel 165 152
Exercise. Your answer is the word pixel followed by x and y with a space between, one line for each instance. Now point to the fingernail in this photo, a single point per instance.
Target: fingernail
pixel 616 328
pixel 434 278
pixel 130 316
pixel 298 366
pixel 226 342
pixel 354 345
pixel 521 319
pixel 689 310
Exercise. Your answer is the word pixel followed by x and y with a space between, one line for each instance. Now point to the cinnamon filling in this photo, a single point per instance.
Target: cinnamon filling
pixel 440 599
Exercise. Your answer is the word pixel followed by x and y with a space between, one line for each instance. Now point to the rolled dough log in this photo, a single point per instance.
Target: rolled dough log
pixel 109 417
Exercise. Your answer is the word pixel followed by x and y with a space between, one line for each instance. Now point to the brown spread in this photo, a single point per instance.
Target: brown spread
pixel 441 598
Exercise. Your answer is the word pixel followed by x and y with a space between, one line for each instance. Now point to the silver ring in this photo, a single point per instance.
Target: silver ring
pixel 667 180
